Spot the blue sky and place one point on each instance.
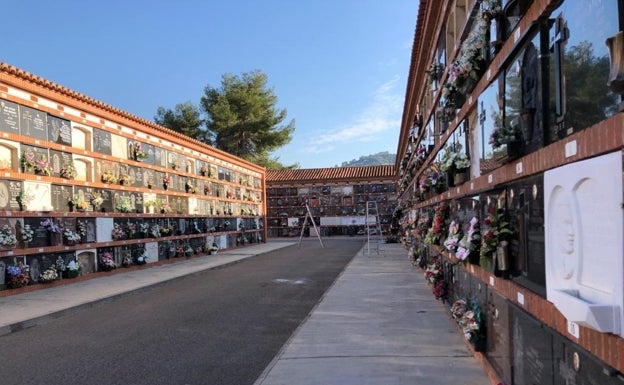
(339, 67)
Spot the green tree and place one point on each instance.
(243, 119)
(588, 97)
(185, 119)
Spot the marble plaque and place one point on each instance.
(33, 123)
(104, 229)
(60, 195)
(58, 159)
(532, 350)
(2, 272)
(9, 190)
(59, 130)
(9, 117)
(584, 226)
(41, 194)
(151, 249)
(102, 141)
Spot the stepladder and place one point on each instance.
(373, 227)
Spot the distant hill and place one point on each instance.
(377, 159)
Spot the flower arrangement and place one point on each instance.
(433, 272)
(131, 229)
(71, 237)
(7, 238)
(107, 261)
(124, 205)
(490, 8)
(78, 202)
(454, 159)
(437, 227)
(204, 171)
(454, 236)
(166, 181)
(166, 231)
(213, 248)
(42, 166)
(435, 278)
(498, 229)
(468, 315)
(126, 258)
(118, 233)
(470, 242)
(164, 206)
(188, 251)
(174, 164)
(155, 231)
(469, 63)
(81, 229)
(190, 188)
(27, 233)
(207, 189)
(142, 258)
(138, 152)
(423, 224)
(50, 226)
(96, 199)
(144, 228)
(435, 72)
(28, 160)
(68, 171)
(49, 275)
(17, 275)
(108, 177)
(72, 269)
(502, 134)
(125, 179)
(23, 198)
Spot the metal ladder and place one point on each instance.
(373, 227)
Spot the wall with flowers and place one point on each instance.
(87, 188)
(489, 110)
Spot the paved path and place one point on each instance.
(378, 324)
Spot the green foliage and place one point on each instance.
(588, 96)
(185, 119)
(379, 158)
(242, 116)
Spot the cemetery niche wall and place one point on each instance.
(86, 187)
(530, 236)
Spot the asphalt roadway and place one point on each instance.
(269, 320)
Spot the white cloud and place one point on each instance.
(381, 116)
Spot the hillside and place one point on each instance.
(377, 159)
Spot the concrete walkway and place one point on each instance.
(378, 324)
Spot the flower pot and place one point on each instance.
(450, 178)
(460, 177)
(514, 149)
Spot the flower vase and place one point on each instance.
(460, 177)
(502, 256)
(486, 263)
(478, 344)
(165, 186)
(54, 239)
(450, 177)
(514, 149)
